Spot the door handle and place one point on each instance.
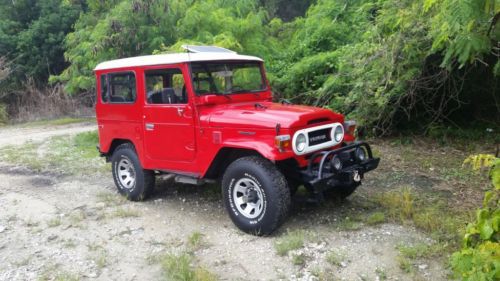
(150, 126)
(180, 111)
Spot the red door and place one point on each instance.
(168, 117)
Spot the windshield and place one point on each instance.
(227, 77)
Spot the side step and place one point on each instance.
(189, 180)
(185, 179)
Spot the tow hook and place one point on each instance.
(356, 177)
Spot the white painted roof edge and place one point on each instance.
(171, 59)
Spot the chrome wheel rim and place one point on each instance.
(247, 196)
(126, 173)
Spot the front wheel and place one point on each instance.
(256, 195)
(130, 178)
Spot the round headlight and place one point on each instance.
(336, 163)
(360, 154)
(338, 133)
(300, 142)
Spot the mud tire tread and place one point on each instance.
(278, 184)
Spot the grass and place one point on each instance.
(25, 155)
(180, 267)
(375, 218)
(74, 155)
(428, 212)
(54, 122)
(31, 223)
(121, 212)
(100, 259)
(53, 273)
(69, 243)
(398, 203)
(334, 258)
(424, 184)
(110, 199)
(322, 274)
(349, 224)
(94, 246)
(417, 251)
(195, 240)
(54, 222)
(77, 217)
(299, 259)
(405, 264)
(381, 273)
(183, 266)
(292, 240)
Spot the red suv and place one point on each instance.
(207, 115)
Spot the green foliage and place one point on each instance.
(478, 161)
(376, 218)
(292, 240)
(385, 61)
(4, 118)
(115, 30)
(462, 29)
(141, 27)
(381, 62)
(179, 267)
(479, 258)
(31, 35)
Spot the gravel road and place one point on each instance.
(17, 135)
(53, 226)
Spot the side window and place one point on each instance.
(120, 88)
(104, 88)
(165, 86)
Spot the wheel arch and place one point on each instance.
(226, 156)
(114, 144)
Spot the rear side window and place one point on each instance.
(118, 87)
(104, 87)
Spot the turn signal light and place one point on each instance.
(350, 127)
(282, 142)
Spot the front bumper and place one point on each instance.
(320, 175)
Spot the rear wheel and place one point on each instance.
(256, 195)
(130, 178)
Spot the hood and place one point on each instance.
(265, 115)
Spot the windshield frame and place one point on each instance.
(259, 64)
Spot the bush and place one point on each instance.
(3, 114)
(479, 258)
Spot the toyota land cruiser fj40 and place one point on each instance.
(207, 115)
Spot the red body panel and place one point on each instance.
(186, 137)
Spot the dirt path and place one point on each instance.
(63, 227)
(16, 135)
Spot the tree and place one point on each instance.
(31, 36)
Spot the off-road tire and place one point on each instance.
(275, 194)
(342, 191)
(144, 179)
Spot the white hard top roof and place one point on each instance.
(173, 58)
